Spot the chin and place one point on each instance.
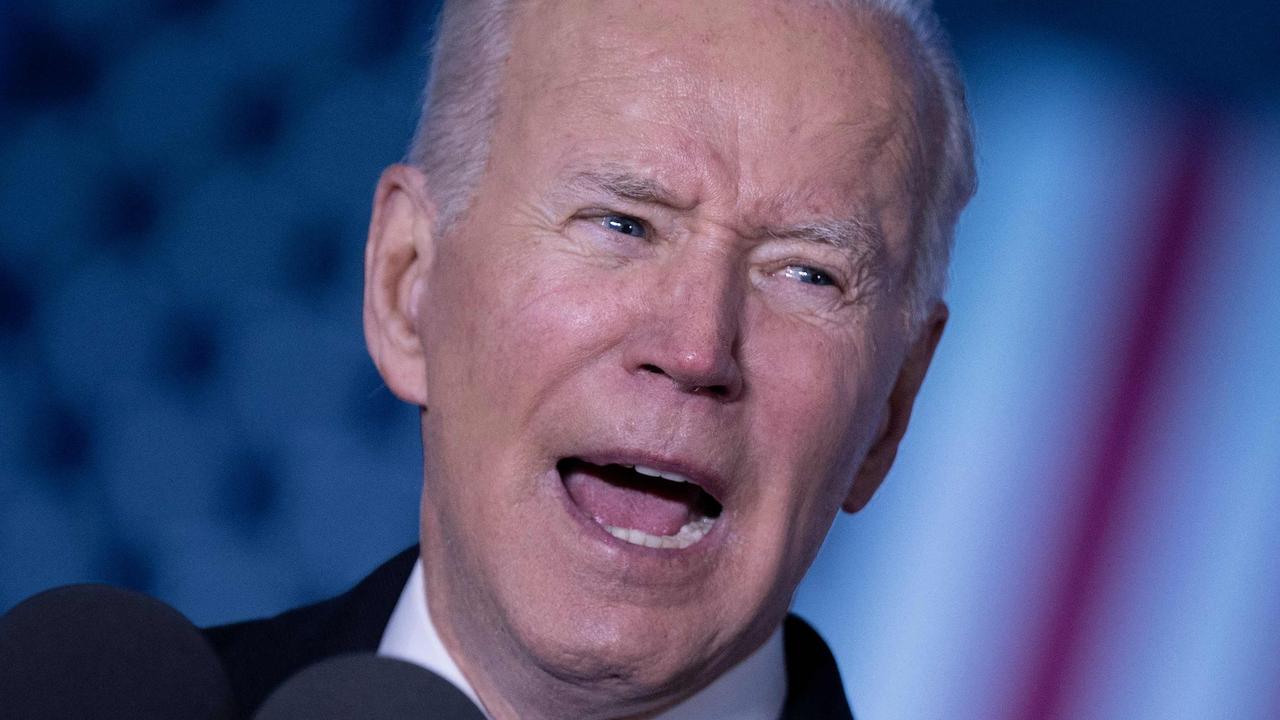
(638, 654)
(628, 663)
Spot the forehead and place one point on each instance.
(781, 107)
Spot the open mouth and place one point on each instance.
(641, 505)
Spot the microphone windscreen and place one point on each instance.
(94, 651)
(368, 687)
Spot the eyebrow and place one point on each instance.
(628, 186)
(856, 235)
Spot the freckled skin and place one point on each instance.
(540, 327)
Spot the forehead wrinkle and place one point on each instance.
(724, 161)
(622, 81)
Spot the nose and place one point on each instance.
(691, 330)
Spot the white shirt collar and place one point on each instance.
(754, 689)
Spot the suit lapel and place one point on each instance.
(814, 688)
(259, 655)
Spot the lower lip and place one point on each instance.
(596, 532)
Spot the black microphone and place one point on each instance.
(94, 651)
(368, 687)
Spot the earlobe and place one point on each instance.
(398, 258)
(897, 413)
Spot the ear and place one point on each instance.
(396, 263)
(893, 422)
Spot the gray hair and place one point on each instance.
(460, 105)
(473, 39)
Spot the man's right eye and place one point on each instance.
(623, 224)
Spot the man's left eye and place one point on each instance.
(808, 275)
(623, 224)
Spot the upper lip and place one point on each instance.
(698, 472)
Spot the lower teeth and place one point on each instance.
(692, 532)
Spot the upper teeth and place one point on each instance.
(673, 477)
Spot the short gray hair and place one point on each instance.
(471, 43)
(460, 105)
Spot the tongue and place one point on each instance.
(616, 496)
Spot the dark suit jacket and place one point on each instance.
(261, 654)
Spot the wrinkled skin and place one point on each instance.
(632, 278)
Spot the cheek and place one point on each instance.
(558, 320)
(809, 379)
(818, 393)
(555, 313)
(524, 326)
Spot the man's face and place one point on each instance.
(686, 255)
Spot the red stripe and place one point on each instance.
(1107, 481)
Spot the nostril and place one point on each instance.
(715, 391)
